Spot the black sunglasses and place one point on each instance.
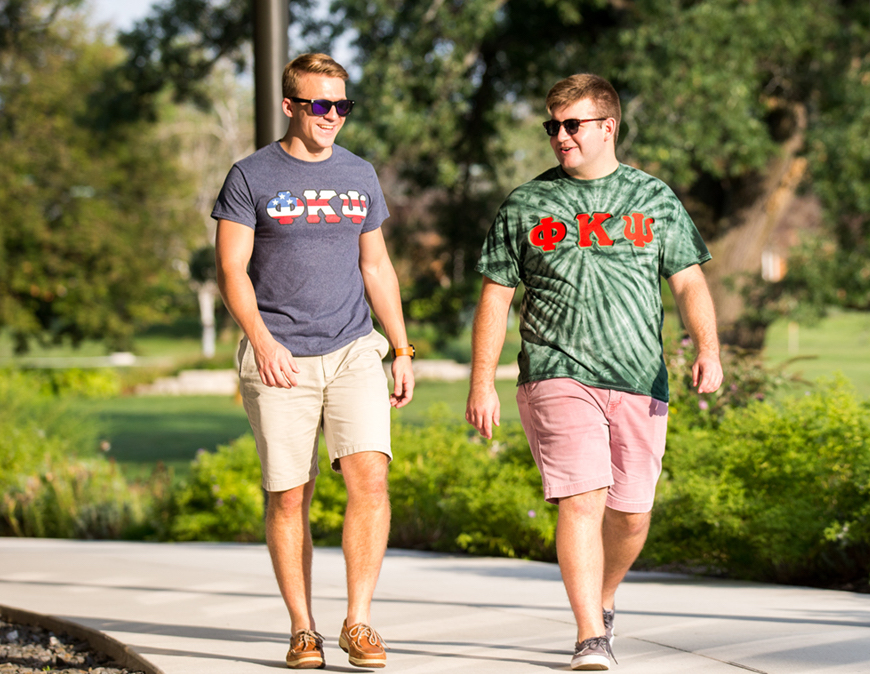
(572, 126)
(321, 106)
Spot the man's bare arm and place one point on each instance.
(483, 409)
(699, 316)
(234, 244)
(382, 291)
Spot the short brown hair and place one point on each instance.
(586, 85)
(316, 64)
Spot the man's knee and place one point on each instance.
(366, 474)
(627, 524)
(587, 504)
(291, 500)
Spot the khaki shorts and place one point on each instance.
(585, 438)
(344, 392)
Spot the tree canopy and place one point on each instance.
(744, 107)
(94, 219)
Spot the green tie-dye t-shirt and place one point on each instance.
(591, 254)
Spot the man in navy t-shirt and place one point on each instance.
(305, 214)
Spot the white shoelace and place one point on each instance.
(361, 631)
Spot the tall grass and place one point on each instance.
(53, 480)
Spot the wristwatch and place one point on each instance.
(405, 351)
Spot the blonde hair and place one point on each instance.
(587, 86)
(315, 64)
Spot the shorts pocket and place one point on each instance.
(244, 355)
(382, 346)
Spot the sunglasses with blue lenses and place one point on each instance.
(320, 106)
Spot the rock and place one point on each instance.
(33, 649)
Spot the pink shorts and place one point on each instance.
(586, 438)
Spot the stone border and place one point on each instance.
(120, 653)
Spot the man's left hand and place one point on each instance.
(403, 378)
(707, 373)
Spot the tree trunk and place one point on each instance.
(739, 250)
(206, 295)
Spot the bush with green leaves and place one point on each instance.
(328, 505)
(453, 492)
(221, 499)
(450, 491)
(747, 381)
(52, 480)
(86, 498)
(753, 487)
(778, 492)
(75, 382)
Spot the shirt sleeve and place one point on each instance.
(499, 258)
(377, 208)
(682, 244)
(235, 201)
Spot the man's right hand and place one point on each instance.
(483, 409)
(276, 365)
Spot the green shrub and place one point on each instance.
(752, 488)
(52, 481)
(746, 381)
(453, 491)
(75, 382)
(86, 499)
(32, 414)
(779, 492)
(221, 500)
(329, 503)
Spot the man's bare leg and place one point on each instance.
(581, 558)
(366, 529)
(624, 535)
(288, 537)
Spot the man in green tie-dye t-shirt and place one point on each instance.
(590, 240)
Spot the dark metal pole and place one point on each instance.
(271, 47)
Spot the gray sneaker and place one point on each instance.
(608, 623)
(592, 655)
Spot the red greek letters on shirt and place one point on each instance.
(638, 229)
(592, 225)
(546, 235)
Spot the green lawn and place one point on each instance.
(145, 430)
(839, 343)
(447, 399)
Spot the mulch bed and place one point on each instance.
(25, 649)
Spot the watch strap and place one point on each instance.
(405, 351)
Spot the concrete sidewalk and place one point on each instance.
(215, 608)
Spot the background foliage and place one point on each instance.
(750, 109)
(93, 215)
(757, 112)
(449, 492)
(220, 500)
(777, 492)
(52, 481)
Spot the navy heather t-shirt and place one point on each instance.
(307, 218)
